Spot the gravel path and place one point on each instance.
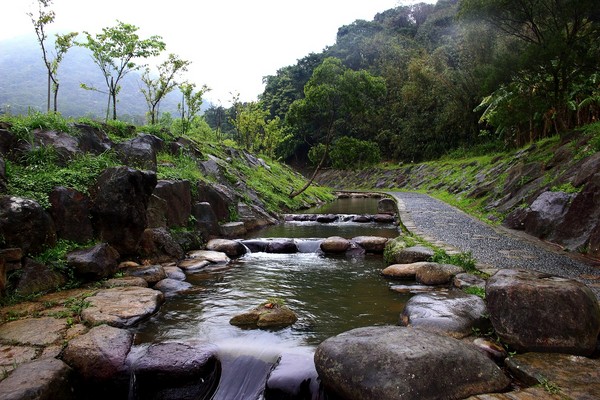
(493, 247)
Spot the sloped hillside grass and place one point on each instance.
(38, 171)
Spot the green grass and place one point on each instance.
(23, 126)
(39, 173)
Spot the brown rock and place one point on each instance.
(37, 277)
(178, 196)
(125, 281)
(150, 273)
(13, 355)
(70, 211)
(402, 271)
(335, 244)
(98, 262)
(386, 206)
(99, 355)
(372, 244)
(266, 316)
(437, 274)
(531, 311)
(230, 247)
(44, 379)
(158, 245)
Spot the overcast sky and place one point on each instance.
(232, 43)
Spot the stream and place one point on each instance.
(329, 294)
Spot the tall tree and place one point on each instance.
(157, 88)
(556, 41)
(334, 98)
(115, 51)
(191, 103)
(62, 44)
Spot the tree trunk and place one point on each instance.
(56, 96)
(48, 105)
(314, 175)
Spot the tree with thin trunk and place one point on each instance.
(191, 103)
(115, 51)
(157, 88)
(62, 44)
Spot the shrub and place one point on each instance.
(315, 154)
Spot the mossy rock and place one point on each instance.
(267, 315)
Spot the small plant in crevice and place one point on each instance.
(548, 385)
(477, 291)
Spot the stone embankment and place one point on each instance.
(549, 190)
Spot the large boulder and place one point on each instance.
(452, 313)
(282, 246)
(544, 214)
(386, 206)
(159, 245)
(65, 145)
(70, 211)
(140, 151)
(531, 311)
(437, 274)
(253, 216)
(152, 274)
(44, 379)
(25, 224)
(97, 262)
(390, 362)
(409, 255)
(121, 307)
(99, 357)
(220, 197)
(205, 219)
(119, 199)
(36, 277)
(179, 201)
(173, 370)
(92, 140)
(233, 229)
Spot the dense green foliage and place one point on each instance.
(458, 74)
(347, 153)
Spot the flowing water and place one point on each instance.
(329, 294)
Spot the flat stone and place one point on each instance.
(193, 265)
(215, 257)
(230, 247)
(335, 244)
(413, 254)
(150, 273)
(122, 307)
(403, 271)
(532, 393)
(125, 281)
(466, 280)
(34, 331)
(172, 286)
(44, 379)
(453, 313)
(384, 218)
(11, 355)
(577, 377)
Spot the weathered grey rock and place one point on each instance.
(92, 140)
(94, 263)
(220, 197)
(544, 214)
(140, 151)
(205, 218)
(2, 175)
(372, 244)
(122, 307)
(25, 224)
(36, 277)
(33, 331)
(282, 246)
(327, 218)
(156, 212)
(70, 211)
(531, 311)
(493, 349)
(465, 280)
(254, 217)
(266, 316)
(178, 196)
(150, 273)
(119, 199)
(255, 245)
(158, 245)
(416, 289)
(99, 355)
(233, 229)
(386, 206)
(413, 254)
(65, 145)
(45, 379)
(576, 377)
(404, 363)
(230, 247)
(335, 244)
(215, 257)
(452, 313)
(362, 218)
(172, 286)
(174, 272)
(189, 240)
(437, 274)
(12, 355)
(294, 377)
(172, 370)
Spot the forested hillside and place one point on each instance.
(23, 84)
(421, 80)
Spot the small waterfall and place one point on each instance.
(244, 370)
(308, 245)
